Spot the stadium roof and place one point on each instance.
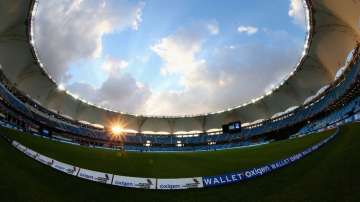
(334, 28)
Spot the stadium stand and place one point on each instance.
(22, 111)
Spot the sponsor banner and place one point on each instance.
(14, 143)
(66, 168)
(134, 182)
(237, 177)
(180, 183)
(31, 153)
(45, 160)
(105, 178)
(25, 150)
(21, 147)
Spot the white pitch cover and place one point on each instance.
(180, 183)
(134, 182)
(105, 178)
(66, 168)
(45, 160)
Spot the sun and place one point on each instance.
(117, 130)
(116, 127)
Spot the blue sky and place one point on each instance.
(174, 57)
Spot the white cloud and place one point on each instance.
(178, 55)
(213, 28)
(67, 31)
(229, 77)
(179, 51)
(297, 12)
(138, 18)
(250, 30)
(113, 66)
(120, 92)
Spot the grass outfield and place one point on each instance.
(165, 165)
(329, 174)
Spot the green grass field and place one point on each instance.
(329, 174)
